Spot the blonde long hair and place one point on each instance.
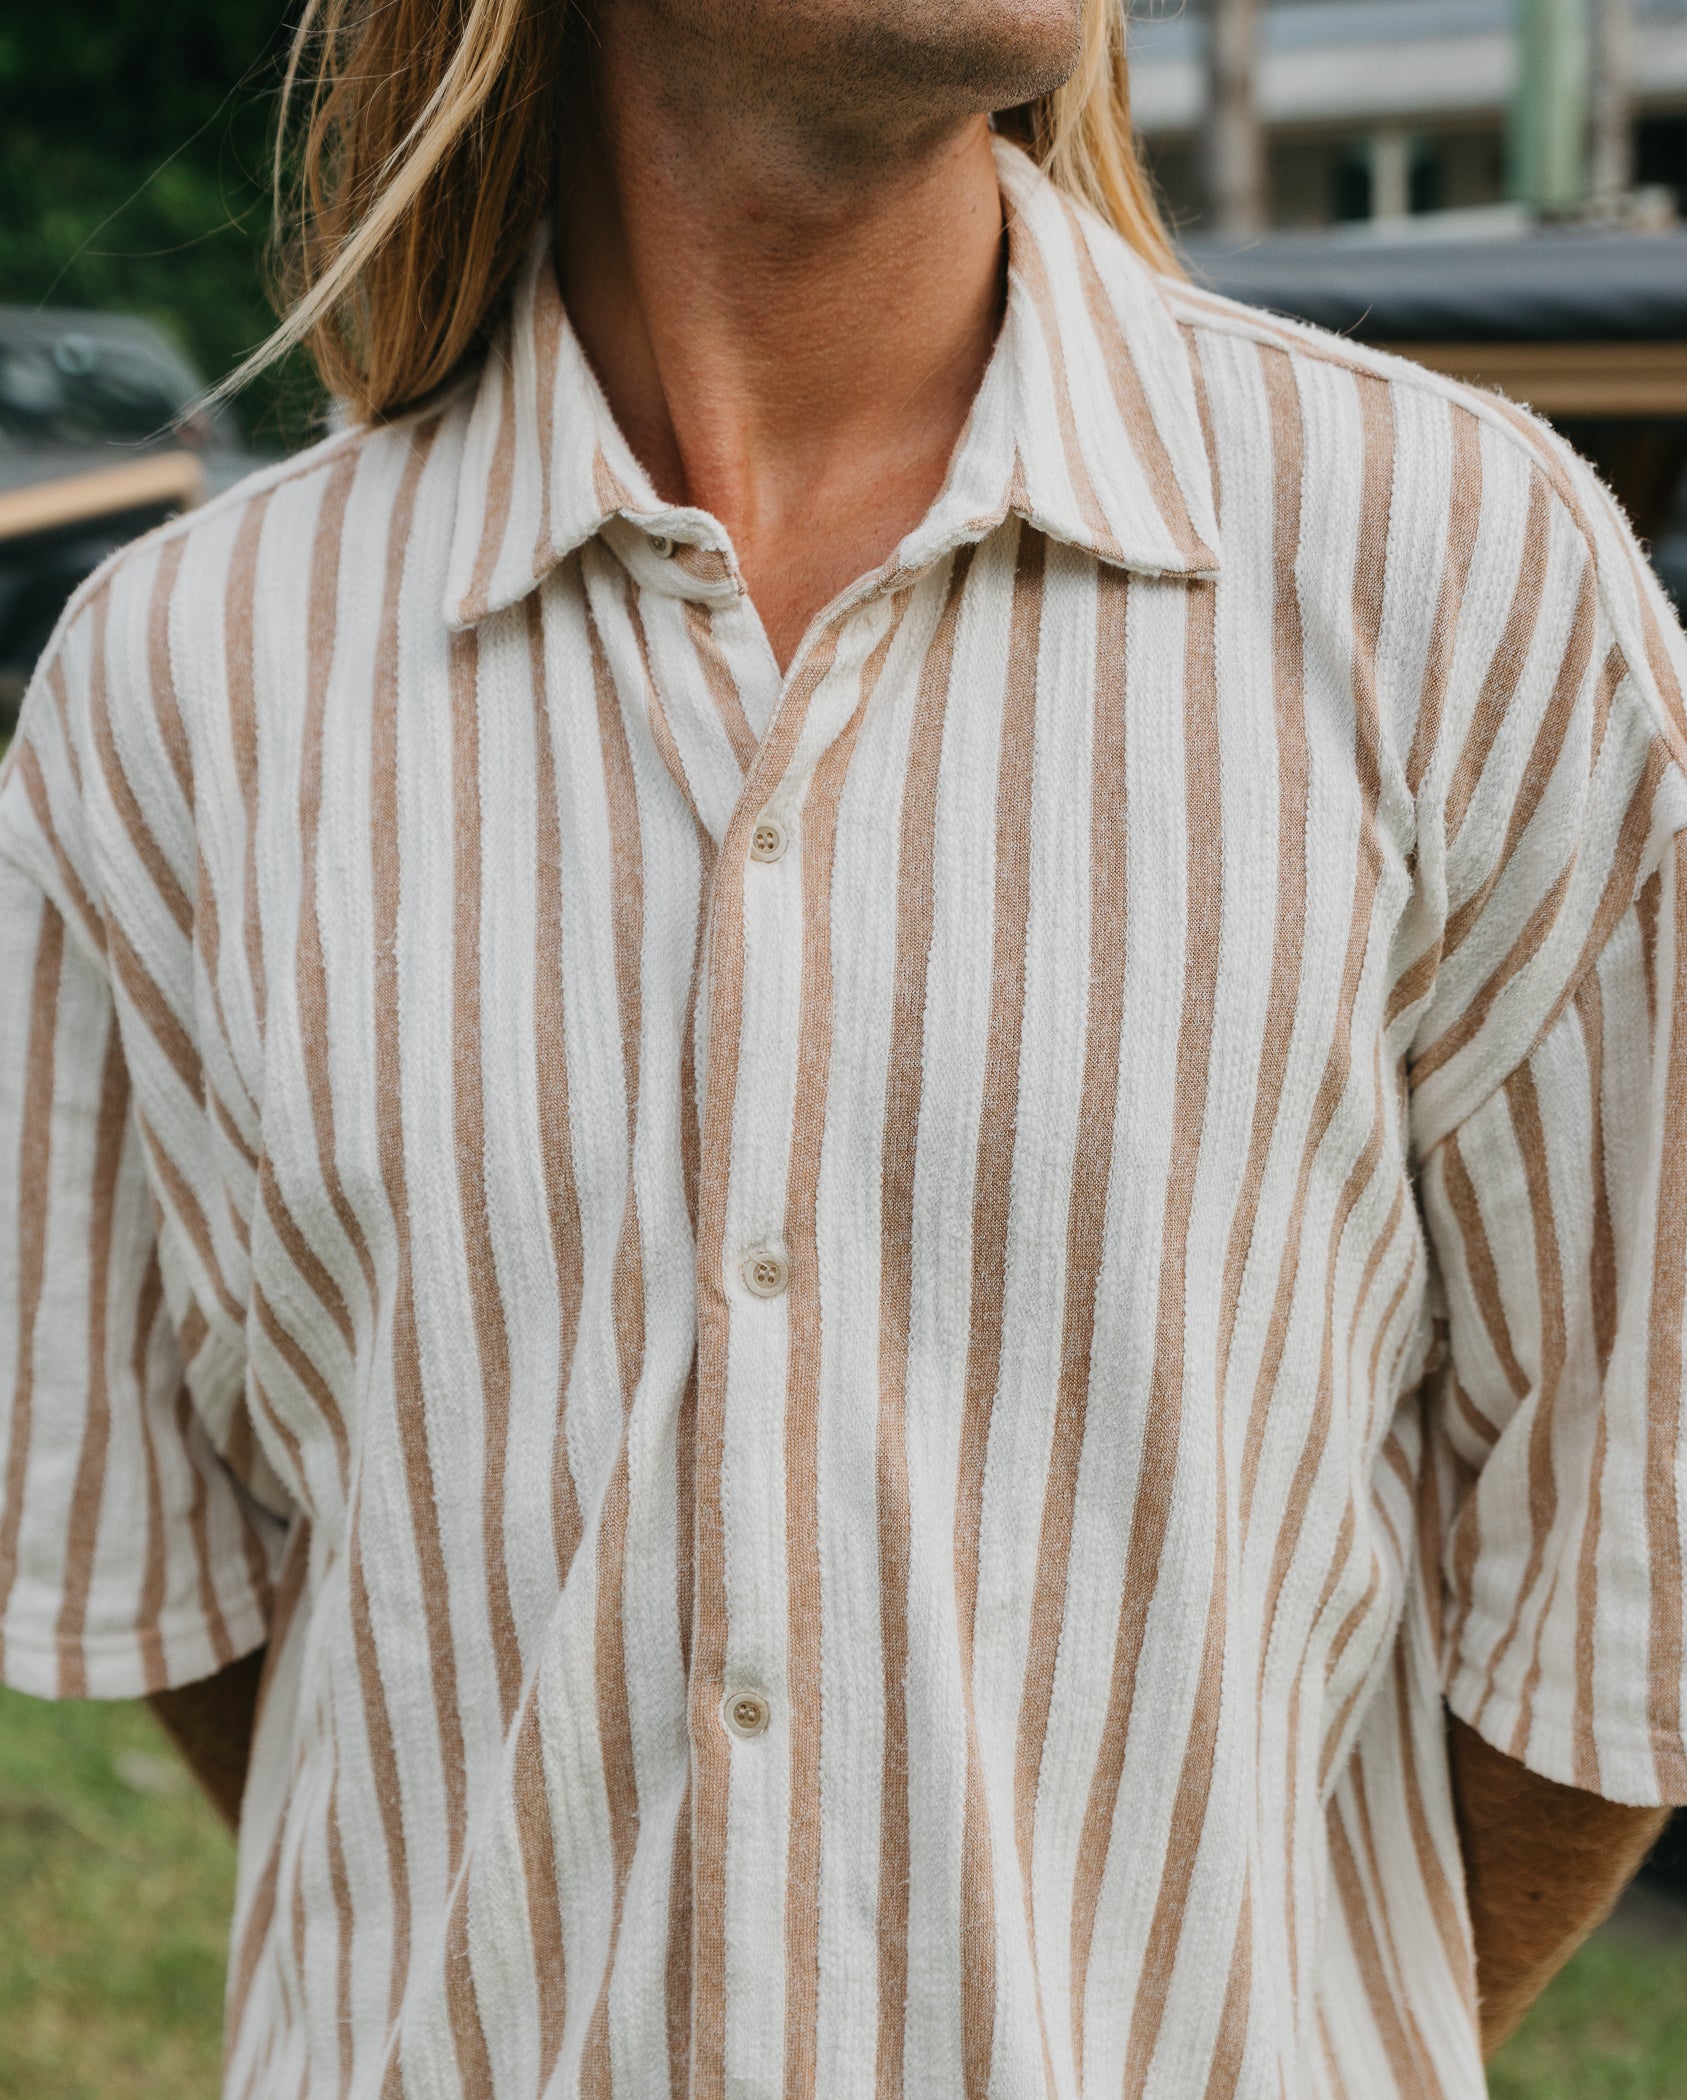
(418, 149)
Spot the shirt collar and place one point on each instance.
(1086, 424)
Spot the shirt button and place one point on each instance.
(764, 1272)
(768, 840)
(661, 545)
(746, 1713)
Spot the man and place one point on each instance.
(860, 1078)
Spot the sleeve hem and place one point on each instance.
(1636, 1767)
(131, 1665)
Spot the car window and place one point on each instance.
(78, 389)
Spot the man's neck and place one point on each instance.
(789, 324)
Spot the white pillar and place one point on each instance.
(1391, 174)
(1611, 137)
(1233, 152)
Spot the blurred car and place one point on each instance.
(99, 439)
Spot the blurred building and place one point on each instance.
(1383, 108)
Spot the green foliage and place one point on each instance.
(1612, 2027)
(134, 169)
(117, 1880)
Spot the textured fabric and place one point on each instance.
(1211, 1059)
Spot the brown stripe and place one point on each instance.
(1224, 2075)
(462, 2002)
(180, 1199)
(311, 970)
(1379, 1992)
(1141, 426)
(345, 1928)
(1190, 1813)
(1320, 1428)
(1662, 667)
(1368, 587)
(240, 625)
(1427, 2085)
(207, 926)
(149, 1604)
(1028, 266)
(161, 677)
(717, 676)
(1615, 899)
(1646, 905)
(903, 1080)
(709, 1748)
(319, 1390)
(486, 1301)
(1663, 1383)
(1414, 983)
(1444, 1905)
(1464, 518)
(123, 798)
(992, 1183)
(535, 1840)
(1486, 1433)
(254, 1937)
(802, 1404)
(1543, 760)
(88, 1496)
(198, 1526)
(35, 786)
(1163, 1425)
(1524, 1104)
(550, 1057)
(34, 1186)
(677, 1964)
(167, 1031)
(548, 324)
(1292, 767)
(224, 1120)
(1603, 1285)
(409, 1394)
(298, 1249)
(1612, 672)
(59, 687)
(1479, 1263)
(1086, 1216)
(1504, 675)
(383, 1764)
(628, 1314)
(500, 480)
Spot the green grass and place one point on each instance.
(1613, 2026)
(116, 1879)
(115, 1885)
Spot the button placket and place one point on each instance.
(750, 1670)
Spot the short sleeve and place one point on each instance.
(1549, 1113)
(132, 1557)
(1558, 1215)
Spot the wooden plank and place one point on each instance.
(1568, 379)
(162, 479)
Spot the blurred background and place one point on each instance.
(1495, 187)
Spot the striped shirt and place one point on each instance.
(871, 1343)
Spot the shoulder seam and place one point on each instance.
(1364, 360)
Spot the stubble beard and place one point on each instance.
(860, 75)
